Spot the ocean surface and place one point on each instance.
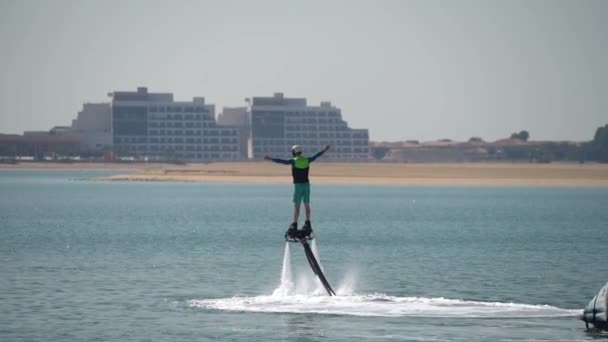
(96, 261)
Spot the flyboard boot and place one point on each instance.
(291, 232)
(299, 235)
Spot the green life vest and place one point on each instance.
(301, 162)
(299, 169)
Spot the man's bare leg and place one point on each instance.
(307, 225)
(296, 212)
(307, 208)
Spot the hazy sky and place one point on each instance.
(404, 69)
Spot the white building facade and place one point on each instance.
(240, 118)
(93, 127)
(155, 127)
(277, 123)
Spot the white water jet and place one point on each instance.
(286, 286)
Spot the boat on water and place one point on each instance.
(596, 311)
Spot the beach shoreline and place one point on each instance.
(481, 174)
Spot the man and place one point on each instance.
(301, 191)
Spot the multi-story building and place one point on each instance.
(93, 127)
(154, 126)
(278, 122)
(237, 117)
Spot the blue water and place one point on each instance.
(96, 261)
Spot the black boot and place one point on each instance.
(307, 228)
(291, 232)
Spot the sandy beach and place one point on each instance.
(494, 174)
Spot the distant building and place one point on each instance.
(93, 127)
(89, 133)
(38, 145)
(277, 123)
(58, 130)
(240, 118)
(154, 126)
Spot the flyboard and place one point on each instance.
(303, 236)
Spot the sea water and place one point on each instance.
(83, 260)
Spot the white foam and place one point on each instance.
(307, 295)
(347, 286)
(381, 305)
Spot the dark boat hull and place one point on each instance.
(596, 311)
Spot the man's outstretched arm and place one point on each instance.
(320, 153)
(279, 161)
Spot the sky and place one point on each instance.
(406, 70)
